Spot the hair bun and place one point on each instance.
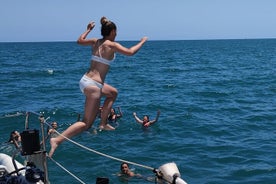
(104, 20)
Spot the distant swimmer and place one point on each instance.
(146, 122)
(92, 84)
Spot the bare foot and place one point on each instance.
(106, 127)
(54, 146)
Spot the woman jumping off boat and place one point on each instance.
(92, 83)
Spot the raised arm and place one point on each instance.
(82, 39)
(120, 113)
(137, 119)
(156, 119)
(128, 51)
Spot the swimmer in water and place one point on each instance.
(146, 122)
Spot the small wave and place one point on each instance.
(50, 71)
(12, 115)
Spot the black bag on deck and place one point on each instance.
(30, 142)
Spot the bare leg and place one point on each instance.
(92, 103)
(111, 95)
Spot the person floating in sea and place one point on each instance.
(125, 171)
(52, 132)
(146, 122)
(92, 84)
(113, 116)
(15, 139)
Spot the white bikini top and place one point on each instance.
(100, 59)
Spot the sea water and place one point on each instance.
(217, 100)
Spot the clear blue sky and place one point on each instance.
(65, 20)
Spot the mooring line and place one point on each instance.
(105, 155)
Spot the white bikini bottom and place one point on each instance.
(86, 81)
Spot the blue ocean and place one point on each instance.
(217, 100)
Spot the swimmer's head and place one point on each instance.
(146, 118)
(54, 124)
